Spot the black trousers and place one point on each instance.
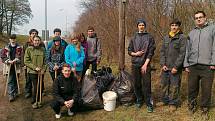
(200, 75)
(88, 63)
(34, 79)
(142, 85)
(56, 106)
(53, 74)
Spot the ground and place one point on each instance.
(21, 110)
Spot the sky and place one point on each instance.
(59, 14)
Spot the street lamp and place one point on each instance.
(46, 31)
(66, 29)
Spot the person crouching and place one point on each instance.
(65, 92)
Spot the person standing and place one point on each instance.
(94, 50)
(34, 59)
(74, 56)
(141, 49)
(65, 92)
(11, 57)
(200, 62)
(172, 55)
(57, 32)
(28, 83)
(55, 58)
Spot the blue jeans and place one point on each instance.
(12, 83)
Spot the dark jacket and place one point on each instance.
(141, 41)
(65, 89)
(55, 57)
(201, 46)
(173, 51)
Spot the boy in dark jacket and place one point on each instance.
(141, 49)
(65, 92)
(171, 59)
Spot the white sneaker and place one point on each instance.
(57, 116)
(70, 113)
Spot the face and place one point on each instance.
(82, 39)
(200, 19)
(12, 41)
(33, 34)
(141, 27)
(174, 28)
(75, 41)
(90, 33)
(66, 72)
(57, 34)
(36, 41)
(57, 43)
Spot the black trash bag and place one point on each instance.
(124, 87)
(90, 95)
(104, 79)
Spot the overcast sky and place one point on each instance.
(57, 10)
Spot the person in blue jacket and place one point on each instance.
(74, 56)
(57, 32)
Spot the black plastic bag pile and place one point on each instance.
(94, 85)
(124, 87)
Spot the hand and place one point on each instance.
(56, 67)
(73, 70)
(187, 70)
(174, 71)
(139, 53)
(144, 69)
(10, 62)
(74, 64)
(212, 67)
(38, 69)
(164, 68)
(97, 62)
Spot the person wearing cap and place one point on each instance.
(11, 57)
(65, 92)
(172, 55)
(93, 51)
(200, 62)
(57, 32)
(141, 49)
(55, 57)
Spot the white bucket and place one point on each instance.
(109, 98)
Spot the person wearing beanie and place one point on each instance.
(172, 55)
(141, 49)
(55, 57)
(11, 57)
(199, 62)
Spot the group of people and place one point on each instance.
(195, 54)
(68, 63)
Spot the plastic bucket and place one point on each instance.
(109, 98)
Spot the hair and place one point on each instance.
(66, 65)
(54, 49)
(176, 21)
(37, 37)
(80, 36)
(57, 30)
(78, 46)
(90, 28)
(33, 30)
(197, 12)
(13, 36)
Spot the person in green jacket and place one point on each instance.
(34, 59)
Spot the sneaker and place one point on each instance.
(39, 105)
(138, 105)
(204, 111)
(192, 108)
(70, 113)
(11, 98)
(57, 116)
(149, 109)
(35, 106)
(27, 95)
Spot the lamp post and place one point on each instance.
(66, 28)
(46, 31)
